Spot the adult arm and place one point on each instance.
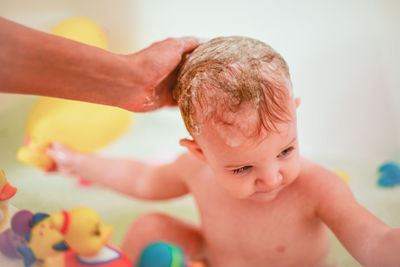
(34, 62)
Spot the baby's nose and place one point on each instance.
(269, 182)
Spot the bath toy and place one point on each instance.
(82, 30)
(34, 154)
(14, 237)
(6, 192)
(32, 239)
(43, 241)
(74, 238)
(389, 174)
(343, 175)
(88, 238)
(84, 127)
(162, 254)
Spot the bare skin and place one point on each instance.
(245, 233)
(34, 62)
(260, 203)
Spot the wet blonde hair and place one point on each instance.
(226, 72)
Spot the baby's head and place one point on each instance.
(236, 100)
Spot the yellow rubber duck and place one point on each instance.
(84, 127)
(87, 237)
(7, 191)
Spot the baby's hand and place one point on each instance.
(65, 159)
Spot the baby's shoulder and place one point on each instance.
(189, 165)
(311, 171)
(315, 179)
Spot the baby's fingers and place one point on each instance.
(62, 156)
(58, 152)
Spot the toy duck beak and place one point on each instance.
(7, 192)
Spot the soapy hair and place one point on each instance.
(226, 72)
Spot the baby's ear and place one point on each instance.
(297, 101)
(194, 148)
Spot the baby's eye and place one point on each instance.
(241, 169)
(285, 152)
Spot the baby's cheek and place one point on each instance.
(235, 186)
(243, 187)
(291, 171)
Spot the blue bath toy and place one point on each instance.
(162, 254)
(390, 175)
(14, 237)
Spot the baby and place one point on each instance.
(261, 203)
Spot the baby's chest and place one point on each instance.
(251, 227)
(259, 233)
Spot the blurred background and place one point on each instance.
(343, 57)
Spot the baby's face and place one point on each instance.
(252, 167)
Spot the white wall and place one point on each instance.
(343, 55)
(389, 37)
(116, 17)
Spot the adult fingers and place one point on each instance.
(189, 43)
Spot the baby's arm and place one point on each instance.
(368, 239)
(131, 177)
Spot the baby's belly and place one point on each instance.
(307, 248)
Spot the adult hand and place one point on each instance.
(34, 62)
(156, 68)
